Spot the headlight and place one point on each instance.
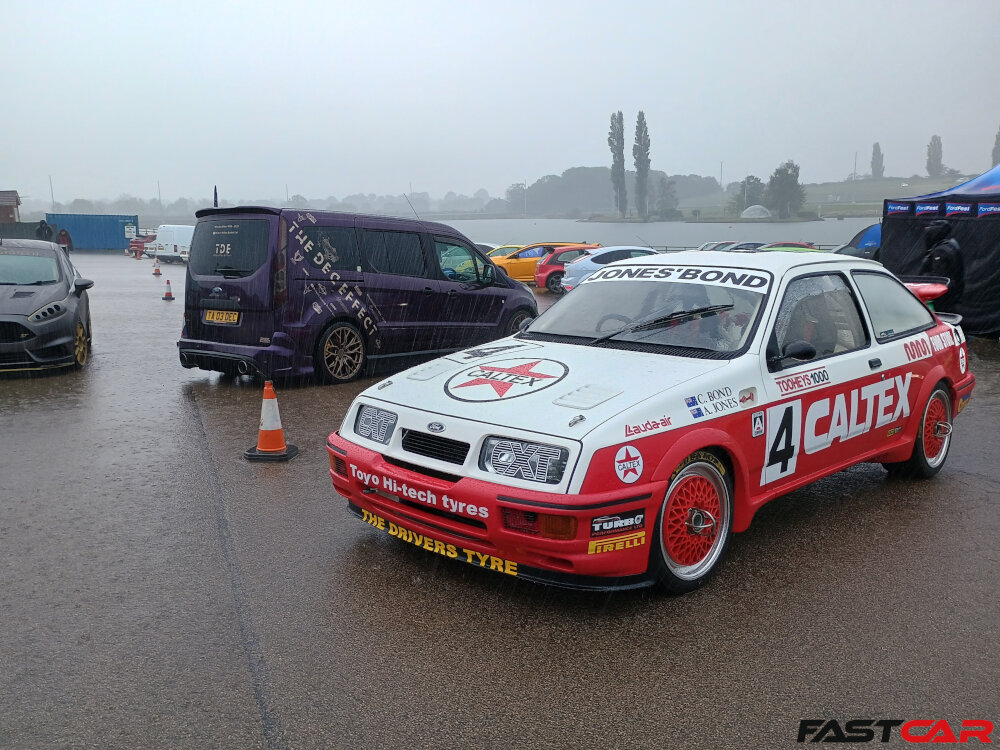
(375, 424)
(50, 311)
(535, 462)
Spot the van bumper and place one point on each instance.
(276, 360)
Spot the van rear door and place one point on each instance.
(229, 294)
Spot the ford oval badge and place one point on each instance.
(435, 427)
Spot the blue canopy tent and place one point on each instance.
(869, 237)
(973, 209)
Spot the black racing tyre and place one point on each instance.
(930, 449)
(340, 354)
(517, 317)
(554, 283)
(694, 524)
(81, 346)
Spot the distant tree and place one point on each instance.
(517, 195)
(784, 194)
(996, 149)
(640, 155)
(749, 192)
(81, 206)
(878, 166)
(616, 141)
(935, 167)
(666, 200)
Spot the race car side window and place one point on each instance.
(893, 310)
(821, 311)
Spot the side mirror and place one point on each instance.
(81, 285)
(800, 350)
(488, 276)
(525, 325)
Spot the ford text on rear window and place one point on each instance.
(229, 247)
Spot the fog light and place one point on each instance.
(544, 525)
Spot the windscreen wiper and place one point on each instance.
(663, 321)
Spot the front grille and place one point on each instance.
(434, 446)
(14, 333)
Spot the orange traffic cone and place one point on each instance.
(169, 296)
(156, 267)
(270, 437)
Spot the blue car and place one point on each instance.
(576, 271)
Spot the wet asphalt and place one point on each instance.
(159, 591)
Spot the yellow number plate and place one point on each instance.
(222, 316)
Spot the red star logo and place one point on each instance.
(632, 469)
(502, 387)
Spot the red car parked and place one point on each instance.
(137, 245)
(549, 271)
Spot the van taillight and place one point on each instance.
(279, 268)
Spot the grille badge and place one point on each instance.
(435, 427)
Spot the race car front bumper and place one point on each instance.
(604, 538)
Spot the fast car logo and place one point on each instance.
(505, 379)
(628, 464)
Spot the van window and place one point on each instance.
(458, 263)
(229, 247)
(398, 253)
(336, 246)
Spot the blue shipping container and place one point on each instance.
(96, 231)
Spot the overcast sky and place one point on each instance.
(370, 96)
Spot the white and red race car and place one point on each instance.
(622, 437)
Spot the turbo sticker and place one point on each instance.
(505, 379)
(438, 547)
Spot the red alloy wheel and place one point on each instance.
(933, 442)
(690, 523)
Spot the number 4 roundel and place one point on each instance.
(784, 433)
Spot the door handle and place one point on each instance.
(452, 293)
(875, 363)
(428, 290)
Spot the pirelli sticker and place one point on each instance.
(617, 543)
(430, 544)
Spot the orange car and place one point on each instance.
(520, 264)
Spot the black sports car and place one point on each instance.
(44, 309)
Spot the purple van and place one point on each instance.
(287, 292)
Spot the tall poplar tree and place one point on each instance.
(996, 150)
(640, 154)
(935, 165)
(616, 140)
(878, 166)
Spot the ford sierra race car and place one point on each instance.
(621, 437)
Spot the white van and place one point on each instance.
(172, 243)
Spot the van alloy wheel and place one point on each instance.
(341, 354)
(517, 319)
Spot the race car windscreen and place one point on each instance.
(692, 308)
